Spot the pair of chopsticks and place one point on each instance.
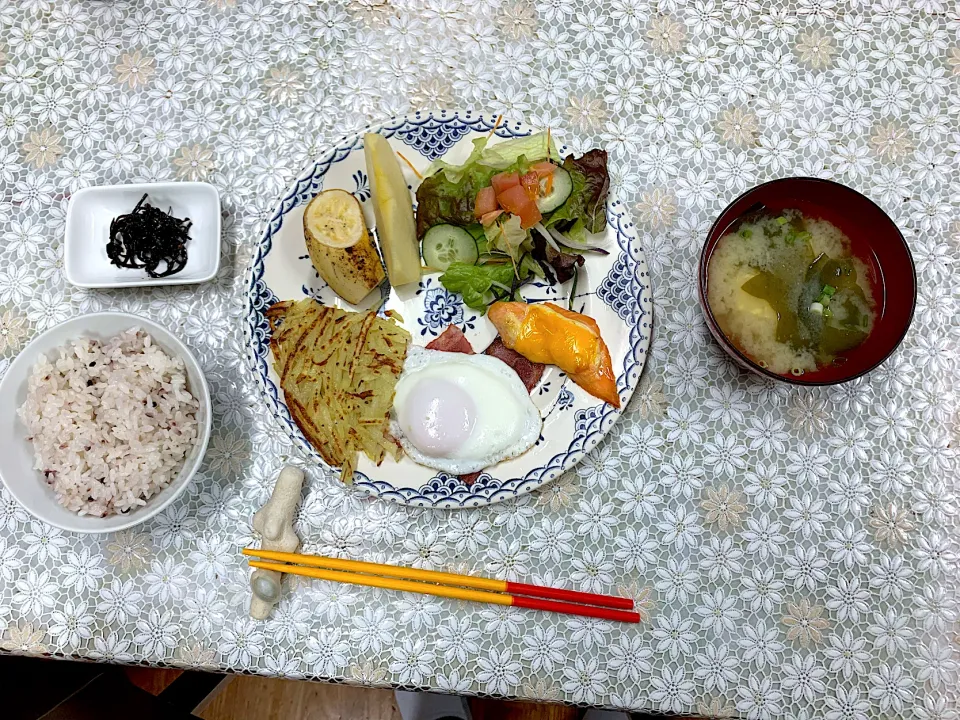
(448, 585)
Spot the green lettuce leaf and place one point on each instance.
(448, 192)
(588, 200)
(500, 155)
(474, 282)
(532, 147)
(455, 172)
(577, 232)
(441, 200)
(508, 237)
(529, 266)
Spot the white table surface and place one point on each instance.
(832, 588)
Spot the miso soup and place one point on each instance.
(787, 291)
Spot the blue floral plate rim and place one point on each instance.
(624, 291)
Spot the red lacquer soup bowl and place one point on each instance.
(874, 238)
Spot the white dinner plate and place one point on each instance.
(613, 289)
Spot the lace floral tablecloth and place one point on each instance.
(794, 552)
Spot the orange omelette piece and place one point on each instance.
(548, 334)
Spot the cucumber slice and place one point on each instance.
(444, 245)
(562, 187)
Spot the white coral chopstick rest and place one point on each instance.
(274, 522)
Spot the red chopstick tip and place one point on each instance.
(567, 608)
(574, 596)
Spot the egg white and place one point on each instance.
(507, 421)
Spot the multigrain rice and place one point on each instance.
(111, 422)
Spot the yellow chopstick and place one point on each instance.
(456, 593)
(395, 571)
(516, 589)
(446, 591)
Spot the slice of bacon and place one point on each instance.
(451, 340)
(529, 372)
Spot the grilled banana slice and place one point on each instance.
(339, 245)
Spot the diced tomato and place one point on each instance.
(486, 202)
(543, 168)
(531, 183)
(488, 218)
(517, 201)
(502, 181)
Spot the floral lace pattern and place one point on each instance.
(794, 552)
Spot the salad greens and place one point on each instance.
(509, 255)
(441, 200)
(448, 192)
(499, 157)
(509, 238)
(587, 203)
(483, 284)
(476, 282)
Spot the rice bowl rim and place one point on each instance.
(13, 392)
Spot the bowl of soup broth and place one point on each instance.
(807, 281)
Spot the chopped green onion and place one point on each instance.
(828, 292)
(827, 313)
(782, 220)
(816, 308)
(746, 233)
(804, 236)
(573, 288)
(791, 238)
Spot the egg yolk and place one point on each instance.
(545, 336)
(438, 416)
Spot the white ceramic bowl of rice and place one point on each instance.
(120, 421)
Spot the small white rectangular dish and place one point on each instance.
(92, 210)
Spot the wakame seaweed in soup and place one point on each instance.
(787, 291)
